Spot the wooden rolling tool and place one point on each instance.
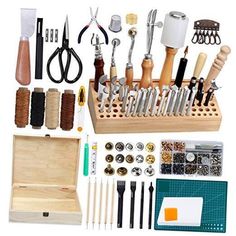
(98, 62)
(129, 74)
(147, 64)
(175, 24)
(216, 66)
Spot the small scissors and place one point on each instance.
(70, 51)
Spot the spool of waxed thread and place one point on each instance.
(67, 110)
(22, 107)
(52, 108)
(37, 108)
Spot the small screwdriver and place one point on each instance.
(86, 158)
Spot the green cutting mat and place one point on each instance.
(214, 194)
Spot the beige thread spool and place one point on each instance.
(52, 108)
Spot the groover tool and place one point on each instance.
(175, 24)
(23, 72)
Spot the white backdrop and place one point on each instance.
(54, 13)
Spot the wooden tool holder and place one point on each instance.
(202, 118)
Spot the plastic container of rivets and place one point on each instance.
(191, 158)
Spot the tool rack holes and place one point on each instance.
(212, 104)
(210, 114)
(204, 114)
(200, 109)
(216, 114)
(194, 109)
(120, 115)
(115, 110)
(107, 105)
(193, 114)
(213, 109)
(114, 115)
(102, 116)
(108, 116)
(120, 105)
(207, 109)
(114, 105)
(198, 114)
(99, 105)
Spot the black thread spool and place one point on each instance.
(37, 108)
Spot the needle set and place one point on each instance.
(120, 175)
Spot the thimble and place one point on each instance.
(115, 25)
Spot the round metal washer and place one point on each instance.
(129, 146)
(121, 171)
(120, 158)
(190, 157)
(109, 158)
(109, 146)
(136, 171)
(129, 159)
(149, 171)
(139, 158)
(150, 147)
(150, 159)
(119, 147)
(139, 146)
(109, 170)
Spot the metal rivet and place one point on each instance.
(150, 147)
(139, 158)
(109, 170)
(136, 171)
(119, 146)
(139, 146)
(121, 171)
(129, 147)
(109, 158)
(120, 158)
(109, 146)
(129, 159)
(149, 171)
(150, 159)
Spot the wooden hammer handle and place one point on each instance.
(217, 66)
(146, 80)
(199, 64)
(23, 72)
(166, 73)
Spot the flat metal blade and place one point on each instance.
(28, 19)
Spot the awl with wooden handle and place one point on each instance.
(23, 72)
(199, 64)
(216, 66)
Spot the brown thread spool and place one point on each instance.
(52, 108)
(22, 107)
(67, 110)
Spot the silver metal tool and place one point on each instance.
(190, 104)
(184, 101)
(51, 35)
(167, 103)
(121, 88)
(155, 97)
(165, 89)
(115, 43)
(147, 102)
(46, 35)
(175, 90)
(178, 101)
(56, 35)
(131, 101)
(137, 101)
(142, 102)
(101, 87)
(111, 100)
(112, 86)
(103, 99)
(125, 99)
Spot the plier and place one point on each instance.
(93, 18)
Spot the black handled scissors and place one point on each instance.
(70, 52)
(93, 18)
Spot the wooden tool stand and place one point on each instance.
(202, 118)
(44, 180)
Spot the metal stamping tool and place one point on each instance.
(190, 104)
(155, 97)
(167, 103)
(137, 101)
(125, 100)
(147, 102)
(112, 98)
(101, 86)
(112, 86)
(121, 88)
(103, 100)
(141, 105)
(131, 101)
(163, 97)
(184, 101)
(173, 100)
(178, 101)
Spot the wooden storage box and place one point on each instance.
(44, 180)
(202, 118)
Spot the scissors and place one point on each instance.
(70, 52)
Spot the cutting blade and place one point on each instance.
(28, 19)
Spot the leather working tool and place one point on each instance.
(70, 52)
(93, 18)
(115, 43)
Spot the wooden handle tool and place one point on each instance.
(23, 73)
(146, 80)
(99, 64)
(216, 66)
(166, 73)
(129, 74)
(199, 64)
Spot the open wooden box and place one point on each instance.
(44, 180)
(201, 119)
